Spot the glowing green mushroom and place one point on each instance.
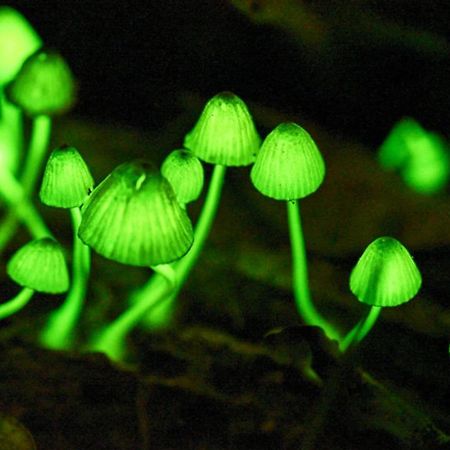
(43, 87)
(184, 171)
(133, 217)
(66, 184)
(288, 167)
(224, 135)
(384, 276)
(18, 40)
(37, 266)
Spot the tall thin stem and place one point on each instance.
(40, 138)
(59, 333)
(302, 295)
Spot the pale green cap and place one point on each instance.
(133, 217)
(289, 165)
(43, 86)
(67, 181)
(385, 275)
(40, 265)
(225, 133)
(184, 171)
(18, 41)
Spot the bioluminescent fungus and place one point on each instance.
(18, 41)
(421, 157)
(384, 276)
(43, 87)
(133, 217)
(184, 171)
(66, 183)
(224, 135)
(288, 167)
(37, 266)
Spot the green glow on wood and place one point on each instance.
(14, 305)
(18, 40)
(43, 86)
(40, 265)
(421, 157)
(289, 165)
(305, 306)
(385, 275)
(225, 133)
(59, 332)
(67, 181)
(184, 171)
(134, 217)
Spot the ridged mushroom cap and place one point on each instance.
(67, 180)
(133, 217)
(40, 265)
(43, 86)
(385, 274)
(289, 165)
(184, 171)
(225, 133)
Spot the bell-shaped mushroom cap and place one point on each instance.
(185, 173)
(225, 133)
(67, 181)
(385, 275)
(40, 265)
(289, 165)
(18, 40)
(43, 86)
(133, 217)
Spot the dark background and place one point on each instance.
(134, 59)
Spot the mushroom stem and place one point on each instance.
(12, 193)
(40, 137)
(305, 306)
(59, 330)
(16, 304)
(159, 316)
(361, 329)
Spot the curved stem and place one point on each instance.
(40, 137)
(166, 271)
(16, 304)
(59, 330)
(361, 329)
(12, 193)
(157, 290)
(183, 266)
(302, 296)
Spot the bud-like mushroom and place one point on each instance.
(37, 266)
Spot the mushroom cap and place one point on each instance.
(67, 181)
(289, 165)
(18, 40)
(40, 265)
(385, 275)
(225, 133)
(184, 171)
(133, 217)
(43, 86)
